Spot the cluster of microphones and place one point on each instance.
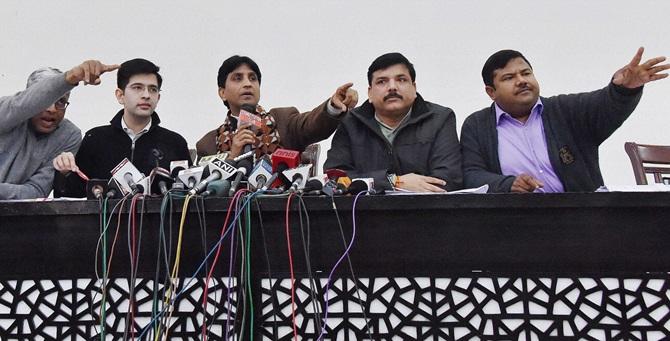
(219, 176)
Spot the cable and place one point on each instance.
(306, 247)
(132, 244)
(351, 269)
(290, 262)
(216, 259)
(346, 252)
(193, 276)
(251, 300)
(175, 269)
(267, 260)
(107, 266)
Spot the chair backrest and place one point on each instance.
(641, 154)
(311, 156)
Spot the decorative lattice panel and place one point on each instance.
(473, 308)
(70, 309)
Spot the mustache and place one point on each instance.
(524, 88)
(392, 95)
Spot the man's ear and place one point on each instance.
(491, 91)
(119, 96)
(222, 93)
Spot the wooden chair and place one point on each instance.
(311, 155)
(641, 154)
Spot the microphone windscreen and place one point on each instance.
(313, 185)
(218, 188)
(357, 187)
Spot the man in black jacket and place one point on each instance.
(396, 137)
(133, 133)
(525, 143)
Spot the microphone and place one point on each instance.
(247, 116)
(283, 159)
(217, 188)
(127, 177)
(339, 187)
(158, 156)
(136, 188)
(361, 185)
(191, 176)
(203, 161)
(240, 172)
(314, 185)
(260, 174)
(218, 168)
(297, 176)
(175, 168)
(95, 188)
(164, 179)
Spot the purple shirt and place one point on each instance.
(522, 148)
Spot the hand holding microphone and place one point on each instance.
(244, 137)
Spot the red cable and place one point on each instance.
(235, 198)
(290, 262)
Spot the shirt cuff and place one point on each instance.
(332, 111)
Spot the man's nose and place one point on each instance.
(392, 85)
(52, 108)
(521, 79)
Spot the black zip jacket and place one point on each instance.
(104, 147)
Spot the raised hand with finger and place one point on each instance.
(635, 75)
(345, 98)
(89, 72)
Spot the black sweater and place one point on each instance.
(575, 125)
(104, 147)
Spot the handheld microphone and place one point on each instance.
(158, 156)
(218, 169)
(127, 176)
(175, 168)
(283, 159)
(96, 188)
(297, 176)
(314, 185)
(260, 174)
(338, 187)
(361, 185)
(164, 179)
(136, 187)
(247, 116)
(203, 161)
(190, 177)
(270, 181)
(240, 172)
(113, 189)
(217, 188)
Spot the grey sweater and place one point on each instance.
(26, 169)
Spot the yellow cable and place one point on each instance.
(175, 268)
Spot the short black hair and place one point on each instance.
(137, 66)
(497, 61)
(229, 65)
(386, 60)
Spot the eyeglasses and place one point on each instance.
(61, 104)
(139, 88)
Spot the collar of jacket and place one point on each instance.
(116, 120)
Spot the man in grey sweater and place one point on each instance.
(33, 131)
